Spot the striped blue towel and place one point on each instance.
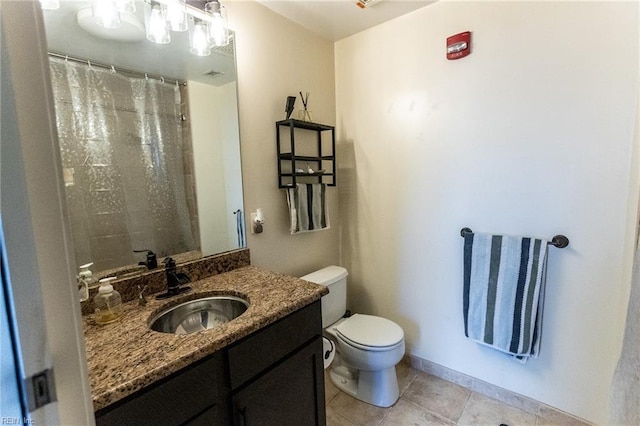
(504, 280)
(308, 207)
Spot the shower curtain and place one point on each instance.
(624, 401)
(122, 152)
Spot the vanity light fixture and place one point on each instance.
(207, 23)
(155, 24)
(218, 31)
(175, 15)
(125, 6)
(106, 14)
(199, 37)
(205, 19)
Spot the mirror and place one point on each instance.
(149, 163)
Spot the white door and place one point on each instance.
(11, 405)
(42, 330)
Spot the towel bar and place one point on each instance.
(559, 241)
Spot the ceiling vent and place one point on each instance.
(213, 73)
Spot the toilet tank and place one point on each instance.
(334, 304)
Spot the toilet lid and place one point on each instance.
(369, 330)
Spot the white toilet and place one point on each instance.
(368, 347)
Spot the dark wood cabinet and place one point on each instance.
(177, 399)
(212, 416)
(272, 376)
(289, 394)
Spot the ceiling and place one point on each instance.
(337, 19)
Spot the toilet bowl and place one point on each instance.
(367, 347)
(365, 363)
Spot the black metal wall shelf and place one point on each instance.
(289, 161)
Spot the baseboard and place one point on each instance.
(492, 391)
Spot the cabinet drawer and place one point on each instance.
(173, 400)
(258, 351)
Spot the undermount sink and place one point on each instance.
(199, 314)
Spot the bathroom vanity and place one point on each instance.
(264, 367)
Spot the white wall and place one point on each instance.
(231, 157)
(277, 58)
(211, 120)
(532, 134)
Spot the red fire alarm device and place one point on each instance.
(459, 45)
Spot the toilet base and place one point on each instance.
(379, 388)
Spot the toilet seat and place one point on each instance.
(369, 332)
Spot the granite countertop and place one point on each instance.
(126, 355)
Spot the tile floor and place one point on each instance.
(428, 400)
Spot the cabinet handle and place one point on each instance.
(242, 414)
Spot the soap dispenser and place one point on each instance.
(108, 303)
(85, 279)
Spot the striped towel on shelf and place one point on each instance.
(503, 297)
(308, 207)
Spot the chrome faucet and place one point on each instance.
(174, 280)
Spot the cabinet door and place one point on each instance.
(174, 400)
(291, 393)
(261, 350)
(213, 416)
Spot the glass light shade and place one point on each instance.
(218, 30)
(105, 13)
(126, 6)
(156, 29)
(175, 15)
(212, 7)
(50, 4)
(200, 38)
(218, 34)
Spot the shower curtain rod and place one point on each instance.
(120, 70)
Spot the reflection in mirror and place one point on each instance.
(127, 164)
(149, 144)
